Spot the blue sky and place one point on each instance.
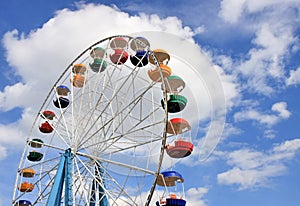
(253, 45)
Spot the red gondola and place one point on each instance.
(181, 149)
(47, 114)
(46, 127)
(178, 126)
(119, 57)
(118, 43)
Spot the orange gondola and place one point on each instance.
(26, 187)
(27, 172)
(79, 69)
(161, 56)
(78, 78)
(156, 75)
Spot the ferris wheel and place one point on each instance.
(104, 128)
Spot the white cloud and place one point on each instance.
(265, 62)
(288, 147)
(294, 77)
(265, 118)
(246, 179)
(17, 95)
(10, 135)
(269, 134)
(15, 134)
(231, 88)
(3, 152)
(258, 5)
(274, 26)
(195, 196)
(252, 168)
(281, 108)
(232, 10)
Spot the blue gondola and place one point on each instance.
(140, 59)
(23, 203)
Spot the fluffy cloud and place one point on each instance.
(232, 10)
(265, 62)
(280, 109)
(231, 88)
(252, 168)
(246, 179)
(195, 196)
(14, 135)
(275, 39)
(287, 149)
(294, 77)
(3, 152)
(13, 96)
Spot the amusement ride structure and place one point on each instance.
(101, 135)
